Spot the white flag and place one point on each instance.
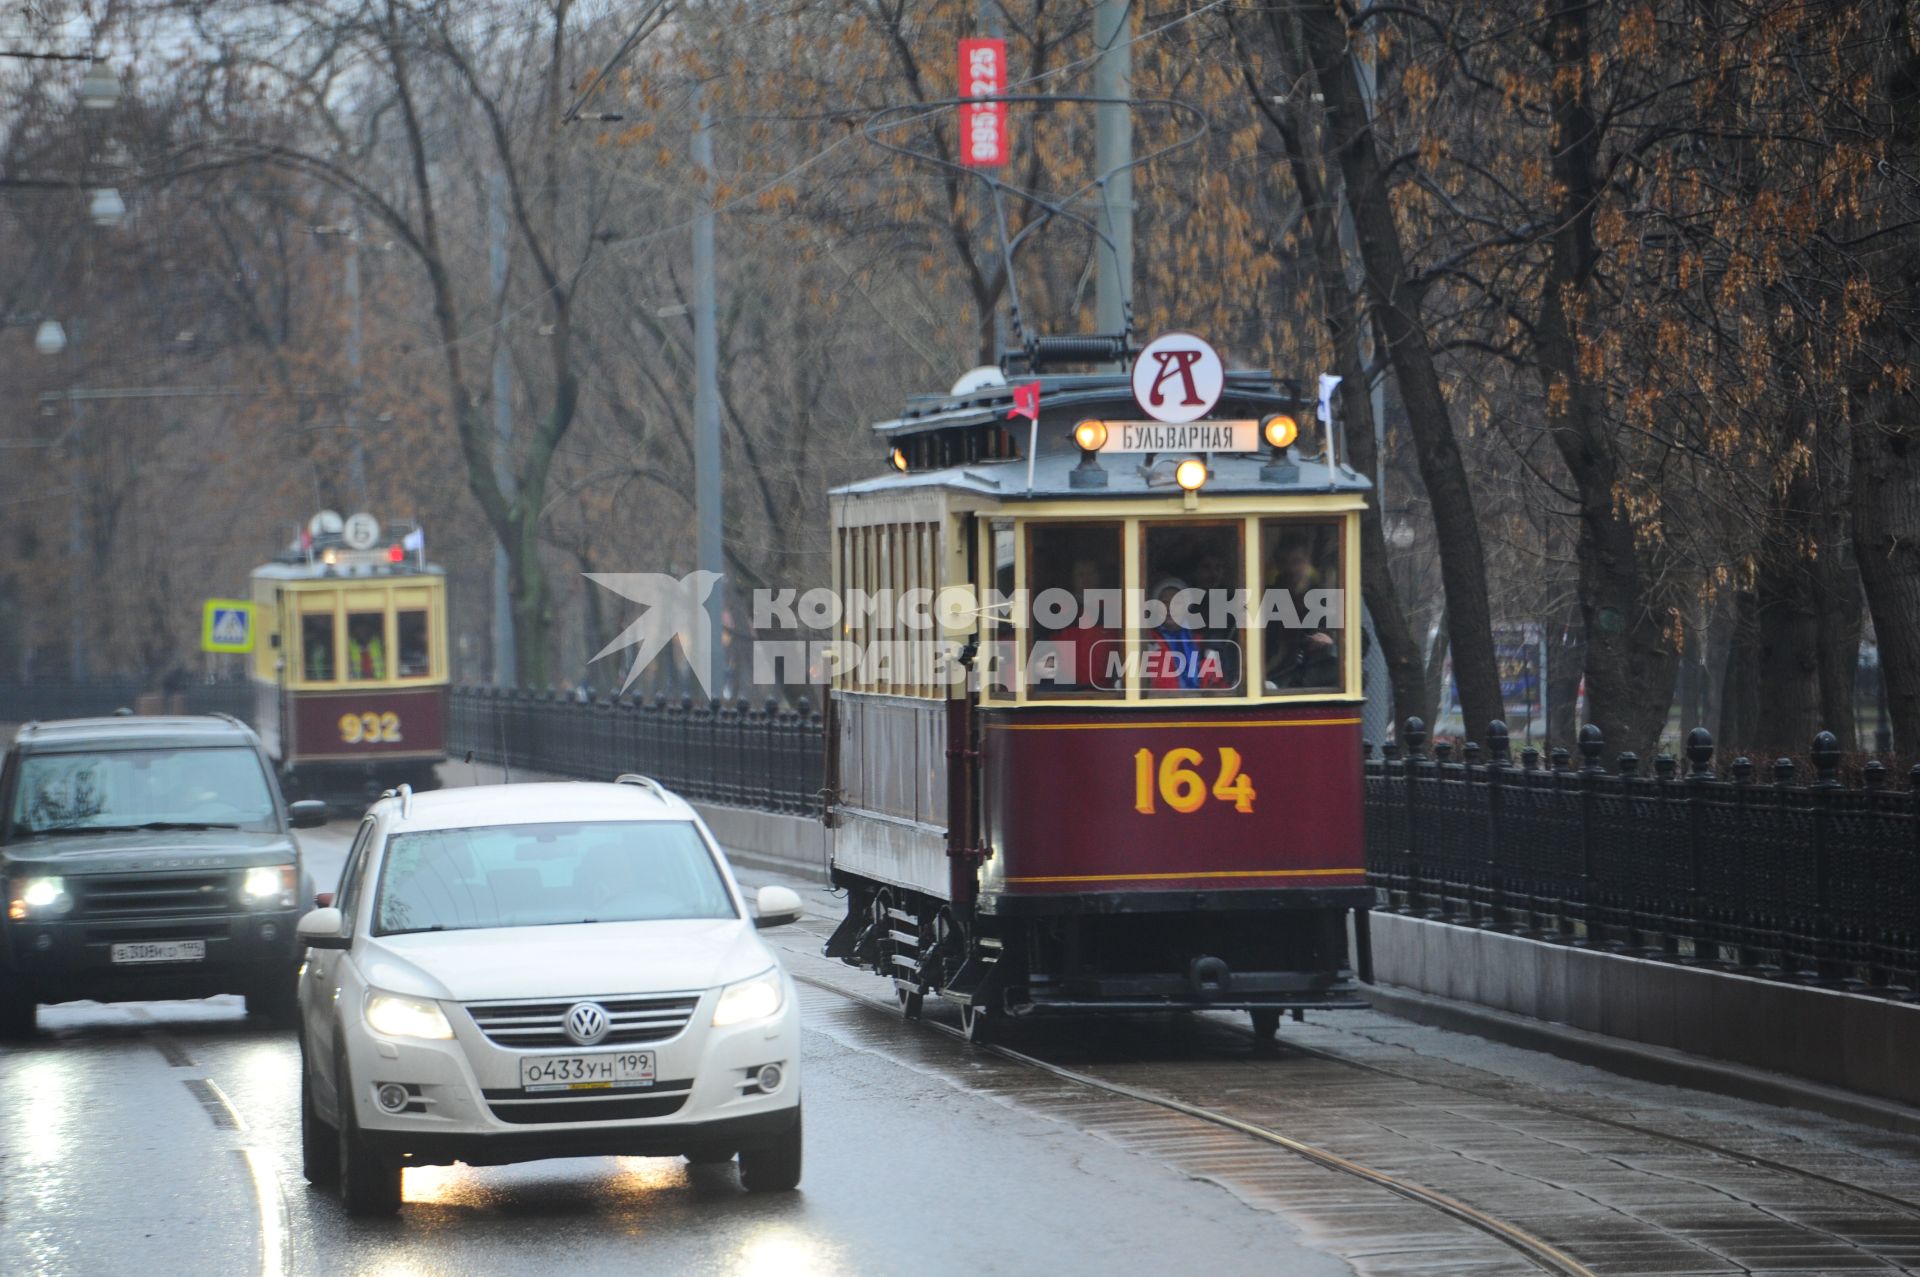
(1328, 384)
(415, 540)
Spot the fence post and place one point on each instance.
(1699, 774)
(1416, 734)
(1592, 742)
(1497, 739)
(1826, 760)
(1912, 927)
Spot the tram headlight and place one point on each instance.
(1090, 436)
(1191, 474)
(1281, 430)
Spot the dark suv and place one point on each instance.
(147, 858)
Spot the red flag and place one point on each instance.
(1026, 402)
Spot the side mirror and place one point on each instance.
(308, 813)
(776, 907)
(323, 929)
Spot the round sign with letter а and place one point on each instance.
(1178, 377)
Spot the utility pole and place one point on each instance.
(77, 552)
(506, 671)
(1112, 153)
(357, 448)
(706, 398)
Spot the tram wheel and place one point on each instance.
(976, 1022)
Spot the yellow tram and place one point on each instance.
(351, 672)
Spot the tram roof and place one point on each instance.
(1074, 392)
(285, 569)
(1067, 399)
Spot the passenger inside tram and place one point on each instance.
(1075, 576)
(316, 643)
(1194, 650)
(366, 652)
(1303, 565)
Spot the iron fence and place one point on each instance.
(768, 756)
(1816, 882)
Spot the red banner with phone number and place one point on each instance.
(983, 125)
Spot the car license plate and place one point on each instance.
(161, 951)
(586, 1072)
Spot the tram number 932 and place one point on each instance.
(1176, 782)
(369, 728)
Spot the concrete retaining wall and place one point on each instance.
(1867, 1045)
(766, 840)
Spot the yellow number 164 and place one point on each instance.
(1182, 788)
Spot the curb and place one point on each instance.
(1644, 1063)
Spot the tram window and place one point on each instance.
(410, 634)
(1194, 576)
(1074, 597)
(316, 646)
(366, 645)
(1303, 607)
(996, 661)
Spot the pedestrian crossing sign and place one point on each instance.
(226, 626)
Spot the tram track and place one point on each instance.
(1675, 1212)
(1904, 1205)
(1540, 1253)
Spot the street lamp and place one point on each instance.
(107, 208)
(50, 338)
(100, 90)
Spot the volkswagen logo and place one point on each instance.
(586, 1022)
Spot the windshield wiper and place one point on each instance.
(414, 931)
(187, 824)
(86, 829)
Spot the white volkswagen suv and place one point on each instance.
(530, 971)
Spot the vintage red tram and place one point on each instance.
(1121, 806)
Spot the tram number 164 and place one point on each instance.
(369, 728)
(1183, 788)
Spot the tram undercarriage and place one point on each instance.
(1263, 952)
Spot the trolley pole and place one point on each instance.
(1113, 152)
(506, 668)
(706, 400)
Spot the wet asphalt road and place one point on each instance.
(162, 1138)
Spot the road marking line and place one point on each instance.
(276, 1250)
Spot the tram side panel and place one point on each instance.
(1175, 857)
(890, 823)
(1180, 799)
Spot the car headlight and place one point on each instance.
(37, 895)
(401, 1017)
(269, 885)
(754, 999)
